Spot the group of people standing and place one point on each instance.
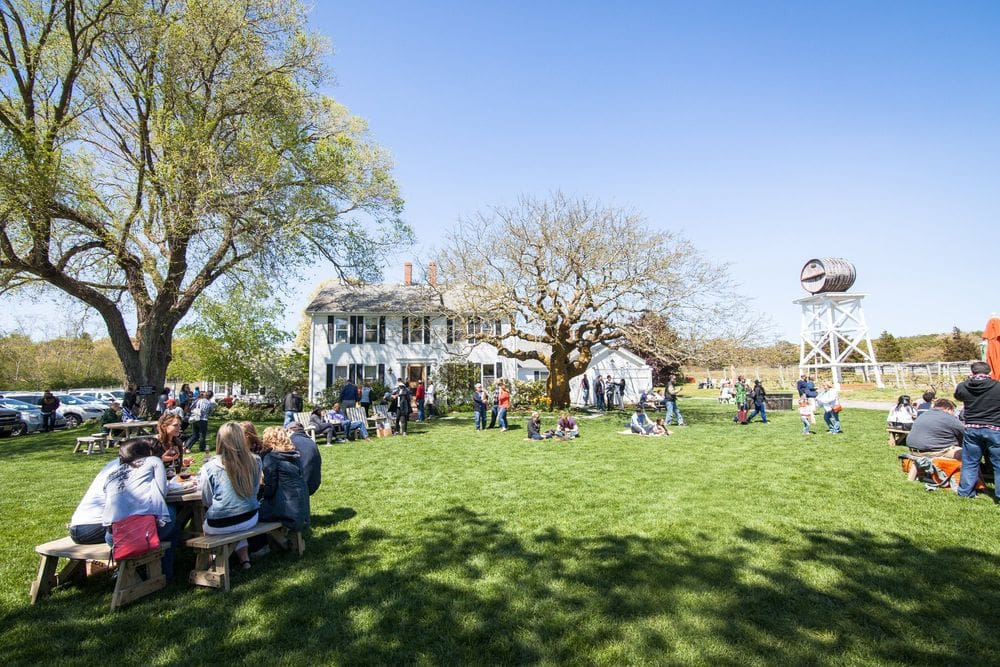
(482, 402)
(607, 393)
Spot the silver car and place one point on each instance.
(30, 417)
(72, 409)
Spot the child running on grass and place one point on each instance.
(806, 413)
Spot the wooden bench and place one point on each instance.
(129, 586)
(211, 566)
(897, 436)
(91, 442)
(307, 427)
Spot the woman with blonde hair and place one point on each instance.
(285, 497)
(229, 484)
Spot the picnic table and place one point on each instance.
(190, 509)
(119, 431)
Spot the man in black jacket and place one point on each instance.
(293, 404)
(312, 463)
(981, 396)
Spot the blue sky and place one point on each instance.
(767, 133)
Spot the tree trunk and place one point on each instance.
(146, 367)
(558, 382)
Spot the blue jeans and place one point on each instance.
(480, 419)
(758, 408)
(420, 409)
(289, 418)
(832, 420)
(360, 427)
(48, 421)
(977, 442)
(671, 409)
(805, 424)
(166, 534)
(502, 417)
(199, 431)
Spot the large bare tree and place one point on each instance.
(152, 148)
(568, 274)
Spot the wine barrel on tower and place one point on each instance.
(827, 274)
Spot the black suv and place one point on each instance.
(9, 421)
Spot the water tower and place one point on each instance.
(834, 330)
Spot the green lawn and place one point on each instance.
(721, 545)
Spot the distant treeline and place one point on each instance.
(60, 363)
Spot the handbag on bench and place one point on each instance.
(134, 536)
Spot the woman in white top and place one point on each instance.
(137, 484)
(828, 399)
(87, 524)
(902, 416)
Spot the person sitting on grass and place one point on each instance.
(229, 485)
(567, 427)
(928, 403)
(640, 423)
(659, 428)
(535, 428)
(937, 434)
(901, 417)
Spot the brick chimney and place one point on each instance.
(432, 273)
(408, 273)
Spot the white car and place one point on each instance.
(101, 395)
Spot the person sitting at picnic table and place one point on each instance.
(312, 462)
(901, 417)
(351, 426)
(535, 428)
(322, 425)
(229, 485)
(640, 423)
(284, 496)
(937, 434)
(87, 523)
(130, 404)
(659, 428)
(253, 440)
(113, 415)
(168, 431)
(567, 427)
(137, 484)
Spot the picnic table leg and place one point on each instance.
(42, 586)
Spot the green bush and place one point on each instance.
(245, 412)
(531, 393)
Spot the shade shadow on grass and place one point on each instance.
(467, 589)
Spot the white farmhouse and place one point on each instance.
(391, 331)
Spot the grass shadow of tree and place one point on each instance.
(464, 588)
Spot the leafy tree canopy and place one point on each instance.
(151, 148)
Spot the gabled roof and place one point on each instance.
(376, 299)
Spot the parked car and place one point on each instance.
(74, 414)
(67, 399)
(8, 422)
(30, 417)
(89, 397)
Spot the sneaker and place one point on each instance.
(260, 553)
